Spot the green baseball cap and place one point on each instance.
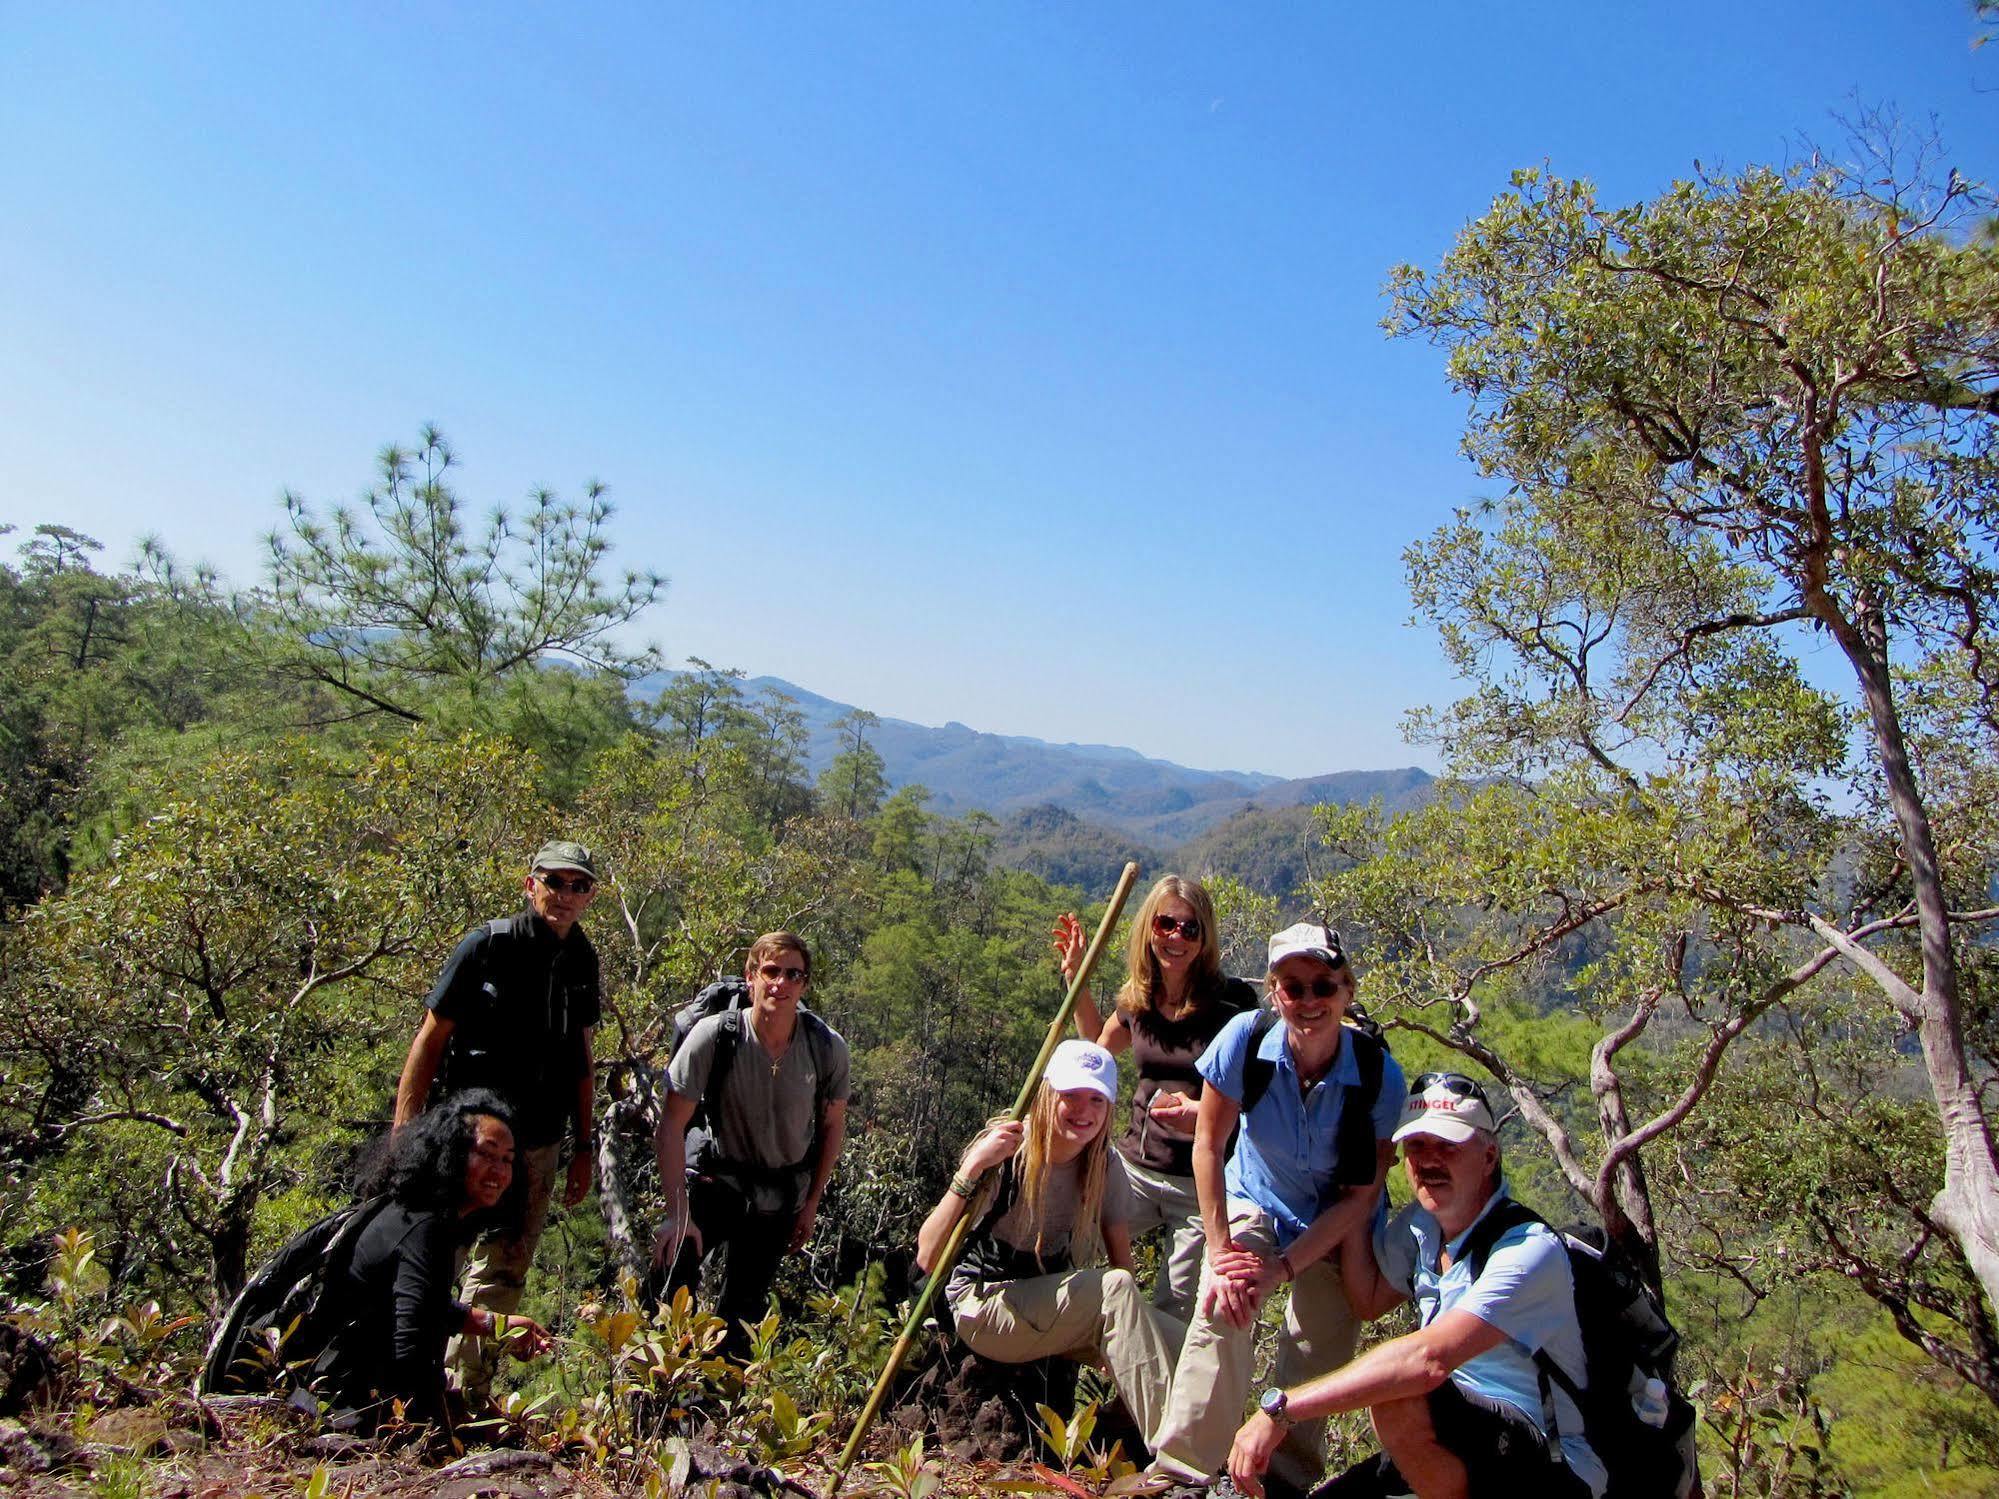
(562, 854)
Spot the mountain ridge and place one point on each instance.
(1151, 801)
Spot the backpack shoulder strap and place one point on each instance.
(818, 1037)
(1257, 1069)
(1003, 1199)
(731, 1041)
(1478, 1244)
(1354, 1148)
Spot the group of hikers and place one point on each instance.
(1259, 1140)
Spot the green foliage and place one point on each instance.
(86, 660)
(244, 961)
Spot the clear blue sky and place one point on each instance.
(1009, 363)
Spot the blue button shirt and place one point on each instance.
(1526, 1291)
(1284, 1153)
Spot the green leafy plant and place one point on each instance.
(906, 1475)
(782, 1434)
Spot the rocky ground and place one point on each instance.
(975, 1419)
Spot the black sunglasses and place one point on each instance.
(1187, 926)
(1295, 989)
(1451, 1082)
(581, 885)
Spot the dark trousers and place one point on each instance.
(1506, 1459)
(755, 1242)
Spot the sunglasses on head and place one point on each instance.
(581, 885)
(1319, 988)
(1187, 926)
(1451, 1082)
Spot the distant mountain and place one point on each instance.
(1154, 803)
(1065, 850)
(1273, 850)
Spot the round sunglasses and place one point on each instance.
(1187, 926)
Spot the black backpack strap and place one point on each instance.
(1257, 1070)
(1477, 1247)
(1474, 1252)
(1354, 1145)
(708, 1112)
(819, 1039)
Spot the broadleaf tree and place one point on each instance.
(1729, 622)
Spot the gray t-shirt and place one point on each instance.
(1059, 1193)
(766, 1116)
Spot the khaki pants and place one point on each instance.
(1093, 1316)
(1211, 1384)
(1169, 1203)
(496, 1269)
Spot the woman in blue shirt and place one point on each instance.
(1316, 1100)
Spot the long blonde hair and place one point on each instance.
(1142, 979)
(1086, 1238)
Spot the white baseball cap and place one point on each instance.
(1082, 1064)
(1310, 939)
(1448, 1106)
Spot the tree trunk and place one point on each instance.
(1968, 1206)
(629, 1118)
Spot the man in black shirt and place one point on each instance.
(513, 1011)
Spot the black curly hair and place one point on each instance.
(422, 1165)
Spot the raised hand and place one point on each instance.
(1069, 944)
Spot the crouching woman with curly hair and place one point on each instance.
(440, 1180)
(1056, 1202)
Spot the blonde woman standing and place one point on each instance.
(1174, 1001)
(1025, 1286)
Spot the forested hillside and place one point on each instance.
(1712, 917)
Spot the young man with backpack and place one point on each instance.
(1483, 1398)
(513, 1011)
(1309, 1101)
(764, 1088)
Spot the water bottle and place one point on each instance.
(1650, 1406)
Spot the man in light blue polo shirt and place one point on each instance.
(1317, 1101)
(1459, 1405)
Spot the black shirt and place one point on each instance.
(391, 1313)
(519, 999)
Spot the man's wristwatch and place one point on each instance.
(1276, 1405)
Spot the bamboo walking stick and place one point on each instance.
(948, 1255)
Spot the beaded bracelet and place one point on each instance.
(964, 1188)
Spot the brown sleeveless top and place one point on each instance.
(1166, 1051)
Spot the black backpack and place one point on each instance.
(286, 1297)
(1627, 1342)
(1355, 1147)
(717, 998)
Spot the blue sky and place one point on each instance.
(1012, 364)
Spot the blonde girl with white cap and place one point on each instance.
(1028, 1284)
